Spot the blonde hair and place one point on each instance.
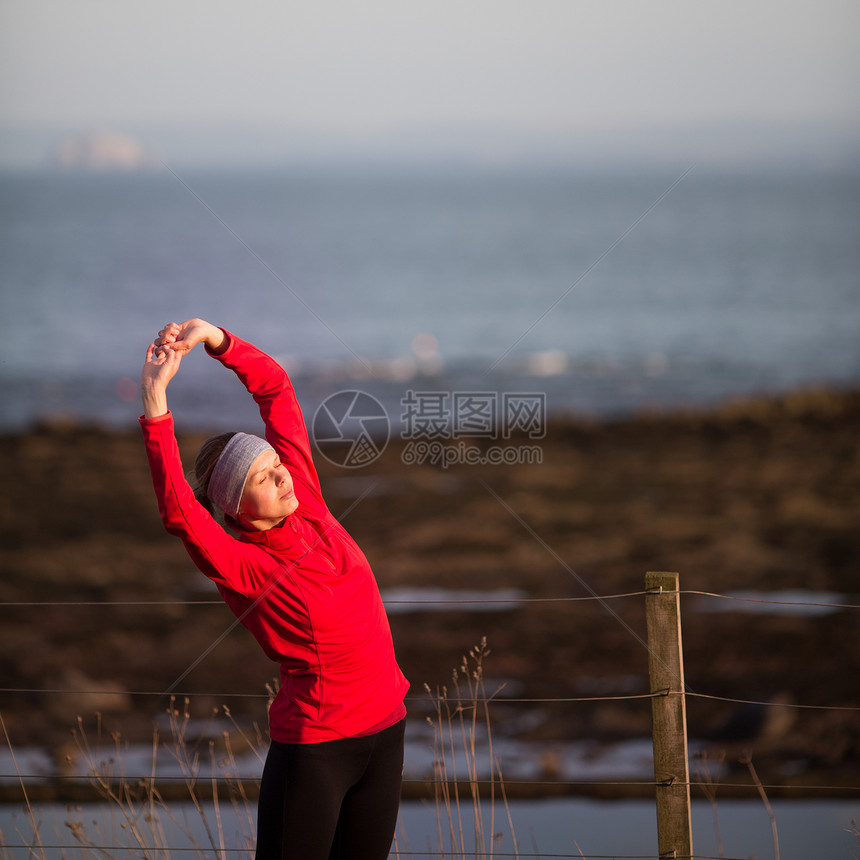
(204, 464)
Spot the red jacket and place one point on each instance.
(304, 589)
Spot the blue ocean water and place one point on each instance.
(566, 827)
(607, 292)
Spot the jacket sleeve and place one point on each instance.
(269, 385)
(229, 562)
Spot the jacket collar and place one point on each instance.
(281, 537)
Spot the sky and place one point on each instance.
(200, 79)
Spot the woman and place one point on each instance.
(294, 578)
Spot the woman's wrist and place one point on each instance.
(154, 399)
(216, 341)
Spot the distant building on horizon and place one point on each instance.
(102, 152)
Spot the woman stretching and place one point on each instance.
(330, 788)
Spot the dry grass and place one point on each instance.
(141, 822)
(460, 719)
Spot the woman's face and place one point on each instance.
(268, 498)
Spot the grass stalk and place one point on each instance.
(215, 802)
(748, 762)
(463, 711)
(242, 804)
(117, 792)
(31, 815)
(709, 788)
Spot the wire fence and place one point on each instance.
(453, 603)
(549, 787)
(447, 601)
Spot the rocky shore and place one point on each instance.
(759, 495)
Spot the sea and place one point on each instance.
(574, 828)
(606, 292)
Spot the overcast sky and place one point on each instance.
(399, 72)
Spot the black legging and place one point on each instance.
(336, 800)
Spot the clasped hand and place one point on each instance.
(164, 354)
(183, 337)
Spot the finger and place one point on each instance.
(183, 345)
(168, 333)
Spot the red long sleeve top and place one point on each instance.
(304, 589)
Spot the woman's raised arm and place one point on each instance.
(159, 368)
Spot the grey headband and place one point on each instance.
(231, 471)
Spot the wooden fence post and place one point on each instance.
(669, 714)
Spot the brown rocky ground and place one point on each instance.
(763, 494)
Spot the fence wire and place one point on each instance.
(553, 785)
(447, 601)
